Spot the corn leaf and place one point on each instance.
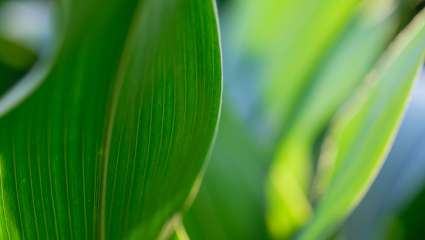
(362, 134)
(107, 141)
(347, 64)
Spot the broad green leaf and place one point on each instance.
(347, 64)
(108, 141)
(363, 133)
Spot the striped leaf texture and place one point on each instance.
(106, 138)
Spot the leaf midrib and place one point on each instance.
(135, 22)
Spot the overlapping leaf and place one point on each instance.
(397, 183)
(346, 65)
(362, 135)
(304, 31)
(251, 200)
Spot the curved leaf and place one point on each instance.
(399, 180)
(111, 142)
(363, 133)
(341, 71)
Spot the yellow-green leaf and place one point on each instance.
(289, 189)
(362, 134)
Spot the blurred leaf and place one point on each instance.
(16, 56)
(110, 143)
(363, 133)
(8, 77)
(175, 230)
(410, 220)
(409, 9)
(341, 71)
(15, 61)
(230, 204)
(310, 28)
(288, 202)
(399, 180)
(286, 40)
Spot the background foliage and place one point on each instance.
(263, 44)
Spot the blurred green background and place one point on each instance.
(232, 203)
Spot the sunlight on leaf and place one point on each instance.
(363, 133)
(344, 68)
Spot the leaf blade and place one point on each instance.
(365, 131)
(59, 150)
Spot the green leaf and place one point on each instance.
(15, 60)
(409, 218)
(8, 77)
(287, 40)
(230, 204)
(109, 141)
(14, 55)
(363, 133)
(345, 66)
(308, 31)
